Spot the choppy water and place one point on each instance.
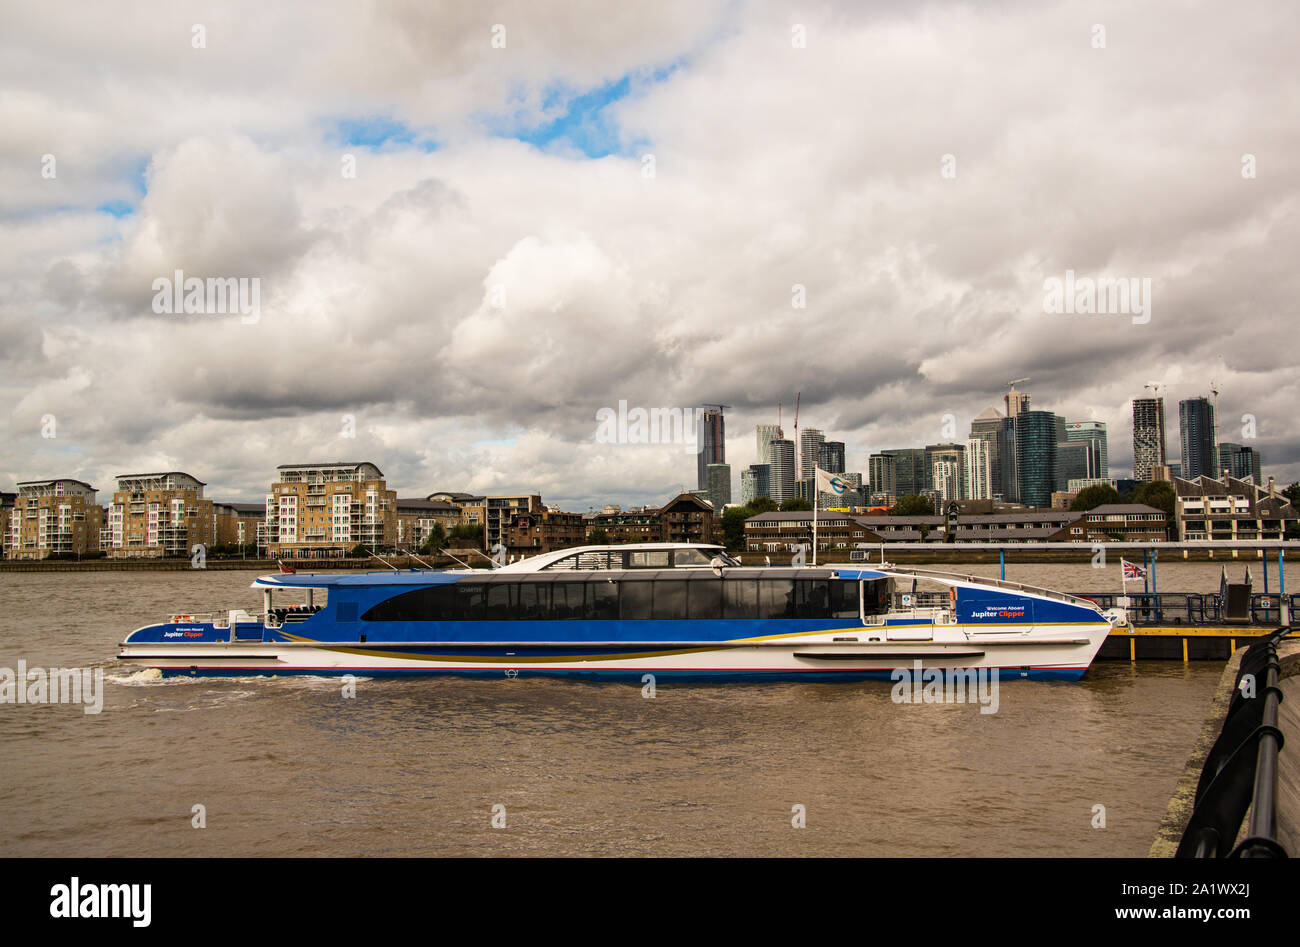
(414, 767)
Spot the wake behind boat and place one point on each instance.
(672, 609)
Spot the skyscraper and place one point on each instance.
(810, 442)
(712, 440)
(719, 485)
(830, 457)
(979, 476)
(947, 480)
(1074, 462)
(881, 474)
(1240, 462)
(1036, 433)
(954, 454)
(782, 471)
(1010, 478)
(1148, 437)
(1196, 427)
(1017, 402)
(764, 434)
(1095, 433)
(911, 472)
(986, 427)
(755, 482)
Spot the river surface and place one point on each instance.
(417, 767)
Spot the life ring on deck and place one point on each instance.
(177, 619)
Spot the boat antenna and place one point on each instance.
(419, 560)
(444, 552)
(384, 561)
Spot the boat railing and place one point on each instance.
(1193, 608)
(984, 580)
(195, 618)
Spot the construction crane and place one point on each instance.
(797, 396)
(1011, 386)
(720, 407)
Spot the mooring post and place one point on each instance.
(1155, 593)
(1284, 607)
(1002, 564)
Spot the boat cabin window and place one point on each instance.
(600, 559)
(876, 596)
(649, 559)
(666, 599)
(691, 557)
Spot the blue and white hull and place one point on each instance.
(724, 623)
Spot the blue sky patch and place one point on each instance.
(378, 132)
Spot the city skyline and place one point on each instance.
(742, 440)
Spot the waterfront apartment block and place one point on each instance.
(1229, 508)
(240, 524)
(53, 518)
(1126, 522)
(493, 512)
(532, 533)
(417, 516)
(686, 518)
(776, 532)
(6, 512)
(157, 515)
(321, 511)
(689, 519)
(625, 526)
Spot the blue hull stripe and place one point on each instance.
(608, 674)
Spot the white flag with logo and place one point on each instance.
(829, 483)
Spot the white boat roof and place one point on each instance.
(545, 560)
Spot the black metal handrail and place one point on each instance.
(1191, 608)
(1240, 772)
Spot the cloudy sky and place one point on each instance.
(474, 225)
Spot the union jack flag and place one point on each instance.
(1132, 570)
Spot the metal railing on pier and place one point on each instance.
(1190, 608)
(1240, 772)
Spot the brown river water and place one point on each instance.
(415, 767)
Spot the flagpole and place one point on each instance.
(817, 496)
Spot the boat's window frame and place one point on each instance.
(626, 603)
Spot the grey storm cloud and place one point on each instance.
(476, 291)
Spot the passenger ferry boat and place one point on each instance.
(672, 609)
